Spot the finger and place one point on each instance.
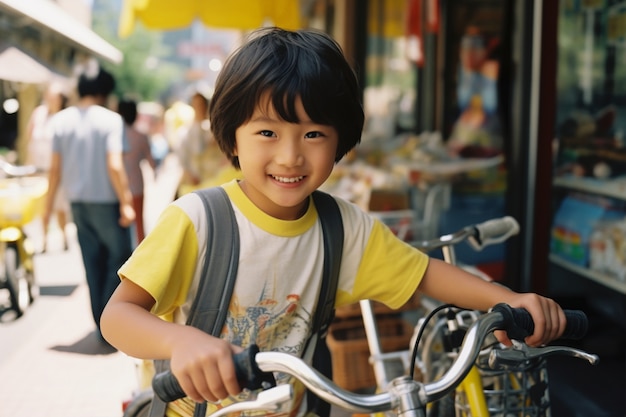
(503, 337)
(203, 384)
(229, 377)
(560, 321)
(541, 324)
(213, 378)
(188, 387)
(554, 323)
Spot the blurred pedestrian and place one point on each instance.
(199, 154)
(137, 151)
(150, 121)
(87, 162)
(39, 150)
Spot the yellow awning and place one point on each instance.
(230, 14)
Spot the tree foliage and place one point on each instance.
(144, 74)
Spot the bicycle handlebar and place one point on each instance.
(254, 369)
(494, 231)
(480, 235)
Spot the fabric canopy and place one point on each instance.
(18, 66)
(231, 14)
(50, 15)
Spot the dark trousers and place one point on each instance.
(105, 246)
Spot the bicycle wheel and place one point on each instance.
(140, 405)
(16, 281)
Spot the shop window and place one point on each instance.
(390, 86)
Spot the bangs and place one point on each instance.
(301, 78)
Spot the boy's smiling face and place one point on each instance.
(283, 163)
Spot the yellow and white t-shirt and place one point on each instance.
(279, 273)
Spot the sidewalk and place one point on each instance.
(53, 364)
(60, 368)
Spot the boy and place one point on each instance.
(286, 107)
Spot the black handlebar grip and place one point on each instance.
(248, 373)
(166, 386)
(519, 323)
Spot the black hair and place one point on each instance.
(127, 108)
(100, 83)
(304, 64)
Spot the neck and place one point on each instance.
(90, 101)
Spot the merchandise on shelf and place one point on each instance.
(574, 224)
(607, 248)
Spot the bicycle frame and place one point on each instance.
(404, 396)
(479, 236)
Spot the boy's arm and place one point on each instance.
(451, 284)
(201, 363)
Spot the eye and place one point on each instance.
(315, 134)
(266, 133)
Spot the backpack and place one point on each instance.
(223, 244)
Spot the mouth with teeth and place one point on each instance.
(288, 180)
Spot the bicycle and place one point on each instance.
(484, 392)
(403, 396)
(22, 196)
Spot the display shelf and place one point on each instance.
(615, 188)
(604, 279)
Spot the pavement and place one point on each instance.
(52, 363)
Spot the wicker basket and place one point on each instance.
(350, 352)
(518, 392)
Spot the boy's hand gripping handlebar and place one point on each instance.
(254, 369)
(248, 374)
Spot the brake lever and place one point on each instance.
(520, 353)
(275, 400)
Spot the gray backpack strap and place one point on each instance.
(221, 261)
(333, 235)
(332, 228)
(219, 272)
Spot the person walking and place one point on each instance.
(40, 150)
(87, 162)
(138, 151)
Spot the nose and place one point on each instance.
(290, 153)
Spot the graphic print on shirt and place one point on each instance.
(270, 322)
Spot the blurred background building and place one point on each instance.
(41, 41)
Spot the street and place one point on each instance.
(51, 362)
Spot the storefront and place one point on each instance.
(41, 42)
(540, 84)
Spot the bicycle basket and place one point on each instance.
(518, 392)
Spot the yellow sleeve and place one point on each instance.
(390, 270)
(165, 262)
